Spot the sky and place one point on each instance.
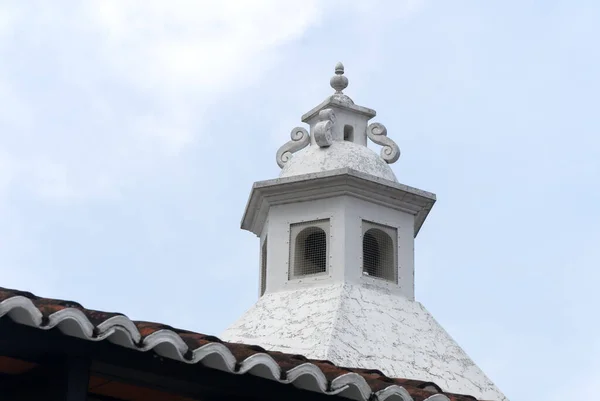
(131, 133)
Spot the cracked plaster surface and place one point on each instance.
(341, 154)
(363, 326)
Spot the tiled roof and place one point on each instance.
(189, 347)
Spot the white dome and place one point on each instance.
(341, 154)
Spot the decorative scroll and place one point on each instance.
(300, 140)
(378, 134)
(322, 132)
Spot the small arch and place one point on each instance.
(348, 133)
(309, 253)
(379, 255)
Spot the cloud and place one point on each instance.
(7, 19)
(100, 95)
(6, 171)
(196, 45)
(582, 385)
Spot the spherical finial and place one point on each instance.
(339, 82)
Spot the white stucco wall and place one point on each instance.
(359, 210)
(344, 117)
(345, 215)
(365, 326)
(341, 154)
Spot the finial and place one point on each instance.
(339, 82)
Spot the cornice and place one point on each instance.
(333, 183)
(337, 102)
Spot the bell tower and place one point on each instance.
(337, 235)
(337, 214)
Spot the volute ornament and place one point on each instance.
(378, 134)
(300, 139)
(322, 132)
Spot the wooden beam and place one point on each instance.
(76, 375)
(13, 366)
(12, 384)
(61, 380)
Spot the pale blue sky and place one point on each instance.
(131, 133)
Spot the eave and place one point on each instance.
(328, 184)
(332, 101)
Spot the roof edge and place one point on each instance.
(332, 183)
(76, 321)
(333, 101)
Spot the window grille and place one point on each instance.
(380, 252)
(263, 267)
(309, 248)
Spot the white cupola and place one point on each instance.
(336, 264)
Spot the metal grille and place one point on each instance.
(379, 252)
(308, 253)
(263, 267)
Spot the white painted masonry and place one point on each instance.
(362, 325)
(339, 155)
(343, 315)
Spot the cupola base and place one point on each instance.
(363, 326)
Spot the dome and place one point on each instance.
(341, 154)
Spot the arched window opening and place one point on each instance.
(379, 253)
(349, 133)
(263, 267)
(311, 252)
(371, 258)
(308, 254)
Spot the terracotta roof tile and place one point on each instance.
(240, 357)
